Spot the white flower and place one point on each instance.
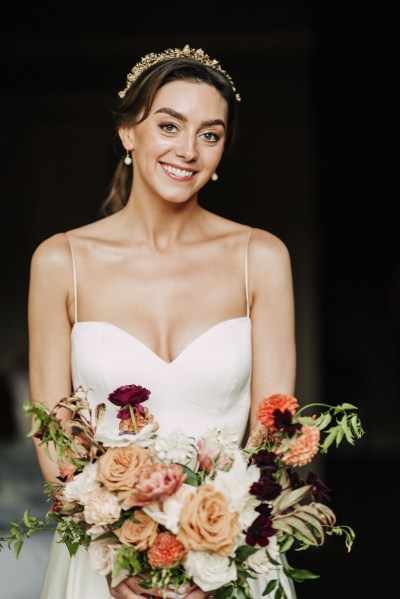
(102, 508)
(235, 485)
(224, 437)
(260, 562)
(83, 484)
(102, 555)
(209, 570)
(96, 531)
(176, 448)
(115, 438)
(168, 512)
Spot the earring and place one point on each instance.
(214, 177)
(128, 159)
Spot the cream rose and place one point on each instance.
(102, 555)
(260, 560)
(209, 570)
(168, 512)
(82, 485)
(119, 467)
(140, 535)
(206, 524)
(102, 508)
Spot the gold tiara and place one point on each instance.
(187, 52)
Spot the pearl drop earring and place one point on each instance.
(128, 159)
(214, 177)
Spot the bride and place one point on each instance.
(161, 292)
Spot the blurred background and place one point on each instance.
(315, 164)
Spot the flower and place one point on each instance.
(139, 531)
(61, 505)
(156, 481)
(83, 484)
(319, 489)
(283, 422)
(168, 511)
(260, 561)
(141, 420)
(102, 556)
(129, 395)
(165, 551)
(119, 467)
(303, 448)
(206, 522)
(268, 405)
(210, 570)
(102, 507)
(211, 456)
(261, 529)
(175, 448)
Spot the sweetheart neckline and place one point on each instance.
(153, 353)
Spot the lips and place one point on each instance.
(178, 173)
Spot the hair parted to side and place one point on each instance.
(135, 106)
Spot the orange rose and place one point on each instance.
(206, 524)
(140, 535)
(268, 405)
(119, 467)
(165, 551)
(303, 448)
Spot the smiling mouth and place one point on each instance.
(176, 172)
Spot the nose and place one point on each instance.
(187, 148)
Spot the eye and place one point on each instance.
(168, 127)
(210, 137)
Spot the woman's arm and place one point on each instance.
(272, 315)
(49, 330)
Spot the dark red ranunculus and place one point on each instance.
(129, 395)
(319, 489)
(259, 531)
(283, 422)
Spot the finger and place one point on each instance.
(123, 591)
(134, 585)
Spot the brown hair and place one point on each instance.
(136, 105)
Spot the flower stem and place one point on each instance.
(132, 413)
(311, 405)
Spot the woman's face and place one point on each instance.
(177, 148)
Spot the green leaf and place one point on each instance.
(326, 419)
(17, 548)
(243, 552)
(279, 593)
(287, 543)
(224, 592)
(240, 594)
(288, 499)
(347, 406)
(329, 439)
(347, 430)
(299, 525)
(300, 575)
(270, 587)
(191, 477)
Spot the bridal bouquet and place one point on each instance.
(175, 510)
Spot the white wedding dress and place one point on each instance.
(206, 385)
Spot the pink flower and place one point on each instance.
(129, 395)
(156, 482)
(62, 506)
(303, 448)
(212, 456)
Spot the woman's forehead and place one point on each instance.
(190, 98)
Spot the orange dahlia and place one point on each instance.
(165, 551)
(268, 405)
(303, 448)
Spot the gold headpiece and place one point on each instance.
(187, 52)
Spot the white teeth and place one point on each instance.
(177, 171)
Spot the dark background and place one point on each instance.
(315, 164)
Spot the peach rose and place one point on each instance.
(165, 551)
(140, 535)
(156, 482)
(303, 448)
(206, 524)
(119, 467)
(268, 405)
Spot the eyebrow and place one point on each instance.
(182, 117)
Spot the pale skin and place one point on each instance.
(163, 268)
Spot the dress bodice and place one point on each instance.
(207, 385)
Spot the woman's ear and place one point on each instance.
(127, 136)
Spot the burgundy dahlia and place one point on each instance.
(294, 479)
(265, 460)
(265, 489)
(319, 489)
(283, 422)
(129, 395)
(260, 531)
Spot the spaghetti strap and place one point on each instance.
(246, 273)
(75, 283)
